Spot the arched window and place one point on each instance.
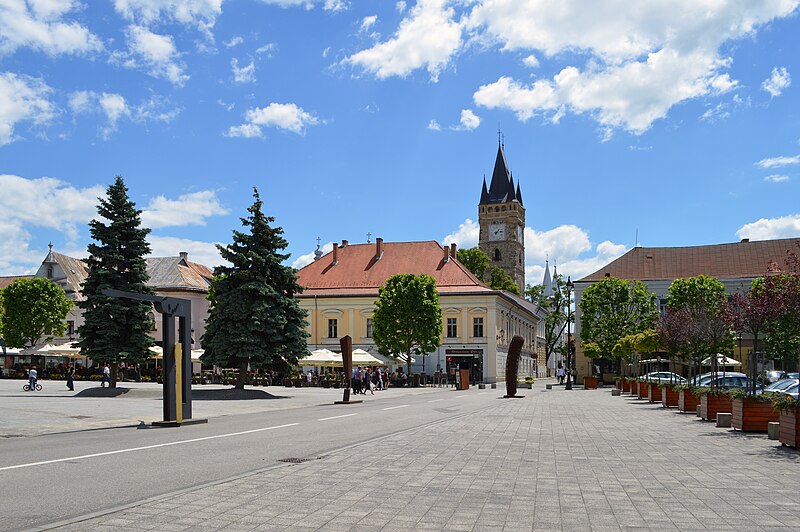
(496, 255)
(497, 209)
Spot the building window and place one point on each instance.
(452, 327)
(662, 306)
(496, 255)
(369, 327)
(477, 327)
(70, 328)
(49, 272)
(333, 326)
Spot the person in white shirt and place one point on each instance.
(106, 377)
(32, 377)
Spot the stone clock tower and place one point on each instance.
(501, 217)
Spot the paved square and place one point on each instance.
(556, 460)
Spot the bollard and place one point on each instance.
(773, 430)
(724, 420)
(698, 410)
(615, 392)
(481, 386)
(494, 385)
(549, 387)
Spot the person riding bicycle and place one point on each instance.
(32, 377)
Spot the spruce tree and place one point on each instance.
(254, 318)
(115, 329)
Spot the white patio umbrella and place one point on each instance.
(722, 360)
(321, 358)
(364, 358)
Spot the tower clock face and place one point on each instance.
(497, 232)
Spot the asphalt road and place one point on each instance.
(54, 477)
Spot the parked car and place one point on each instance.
(774, 376)
(792, 391)
(780, 386)
(728, 379)
(664, 377)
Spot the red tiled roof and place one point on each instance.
(5, 281)
(357, 272)
(740, 260)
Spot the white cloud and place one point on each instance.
(308, 258)
(427, 38)
(469, 121)
(156, 54)
(433, 125)
(186, 209)
(327, 5)
(22, 203)
(205, 253)
(287, 116)
(245, 74)
(193, 12)
(336, 5)
(630, 96)
(234, 41)
(771, 228)
(640, 61)
(566, 246)
(466, 236)
(368, 21)
(777, 162)
(269, 49)
(777, 82)
(114, 107)
(400, 6)
(776, 178)
(530, 61)
(41, 25)
(23, 99)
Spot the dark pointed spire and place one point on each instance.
(499, 190)
(484, 192)
(519, 194)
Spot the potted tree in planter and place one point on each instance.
(593, 351)
(752, 413)
(672, 336)
(669, 395)
(789, 418)
(687, 398)
(712, 402)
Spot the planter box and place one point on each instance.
(711, 405)
(669, 397)
(618, 385)
(626, 386)
(635, 388)
(790, 428)
(752, 416)
(688, 402)
(643, 392)
(654, 393)
(590, 383)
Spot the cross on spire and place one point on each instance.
(369, 236)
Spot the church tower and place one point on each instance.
(501, 217)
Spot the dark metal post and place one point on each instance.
(185, 338)
(168, 365)
(570, 374)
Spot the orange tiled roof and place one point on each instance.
(357, 272)
(740, 260)
(5, 281)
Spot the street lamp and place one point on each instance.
(570, 374)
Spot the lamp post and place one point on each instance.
(570, 374)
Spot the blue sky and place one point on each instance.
(674, 119)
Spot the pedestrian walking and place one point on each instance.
(379, 383)
(308, 378)
(359, 380)
(106, 377)
(561, 375)
(71, 379)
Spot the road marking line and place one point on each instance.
(460, 396)
(393, 407)
(336, 417)
(436, 400)
(146, 447)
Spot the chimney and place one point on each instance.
(378, 248)
(745, 240)
(184, 255)
(453, 250)
(446, 257)
(335, 254)
(344, 243)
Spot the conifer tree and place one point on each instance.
(115, 329)
(254, 319)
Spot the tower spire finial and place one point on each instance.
(499, 137)
(50, 246)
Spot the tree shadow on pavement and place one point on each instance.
(232, 394)
(102, 392)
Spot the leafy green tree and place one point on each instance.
(555, 306)
(500, 280)
(407, 318)
(475, 260)
(612, 309)
(115, 329)
(478, 263)
(34, 309)
(710, 323)
(254, 319)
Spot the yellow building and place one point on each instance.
(477, 322)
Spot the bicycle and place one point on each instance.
(27, 387)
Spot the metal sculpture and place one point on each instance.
(512, 366)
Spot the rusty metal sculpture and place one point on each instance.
(512, 367)
(346, 343)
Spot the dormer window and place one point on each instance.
(49, 272)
